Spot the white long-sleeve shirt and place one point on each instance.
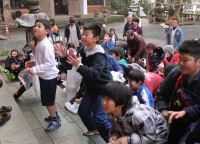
(45, 60)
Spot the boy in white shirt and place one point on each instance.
(45, 67)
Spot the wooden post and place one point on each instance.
(7, 11)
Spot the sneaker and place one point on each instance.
(90, 133)
(48, 118)
(53, 125)
(72, 107)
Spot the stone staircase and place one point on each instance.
(27, 118)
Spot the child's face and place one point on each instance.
(110, 107)
(149, 51)
(116, 57)
(134, 85)
(20, 58)
(167, 54)
(87, 38)
(135, 23)
(112, 32)
(106, 37)
(39, 30)
(187, 64)
(14, 54)
(32, 44)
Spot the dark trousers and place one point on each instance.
(181, 132)
(92, 114)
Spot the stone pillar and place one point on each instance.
(76, 7)
(7, 11)
(47, 6)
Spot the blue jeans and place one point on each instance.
(92, 114)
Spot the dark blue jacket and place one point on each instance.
(94, 70)
(108, 46)
(113, 64)
(169, 97)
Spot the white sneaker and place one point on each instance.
(72, 107)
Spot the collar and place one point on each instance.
(98, 48)
(139, 90)
(196, 78)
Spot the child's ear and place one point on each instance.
(140, 83)
(97, 38)
(47, 30)
(198, 62)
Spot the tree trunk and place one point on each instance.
(177, 8)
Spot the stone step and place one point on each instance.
(16, 130)
(71, 125)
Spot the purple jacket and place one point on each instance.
(138, 30)
(136, 47)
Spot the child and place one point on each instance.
(136, 83)
(149, 50)
(30, 56)
(170, 56)
(132, 122)
(11, 63)
(81, 24)
(118, 53)
(114, 36)
(95, 76)
(21, 61)
(45, 67)
(107, 43)
(179, 94)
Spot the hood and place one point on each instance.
(97, 49)
(123, 62)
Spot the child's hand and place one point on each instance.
(60, 50)
(122, 140)
(29, 64)
(30, 71)
(73, 61)
(176, 115)
(113, 140)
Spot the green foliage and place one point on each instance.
(146, 5)
(4, 53)
(121, 6)
(9, 75)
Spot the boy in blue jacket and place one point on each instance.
(179, 95)
(96, 75)
(138, 89)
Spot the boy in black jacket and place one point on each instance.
(95, 76)
(179, 95)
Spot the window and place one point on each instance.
(95, 2)
(14, 4)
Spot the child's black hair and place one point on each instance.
(118, 51)
(136, 75)
(45, 22)
(119, 93)
(112, 29)
(169, 68)
(19, 55)
(109, 34)
(191, 47)
(71, 45)
(80, 22)
(95, 27)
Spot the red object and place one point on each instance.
(6, 30)
(152, 82)
(69, 53)
(175, 59)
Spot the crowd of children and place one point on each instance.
(157, 102)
